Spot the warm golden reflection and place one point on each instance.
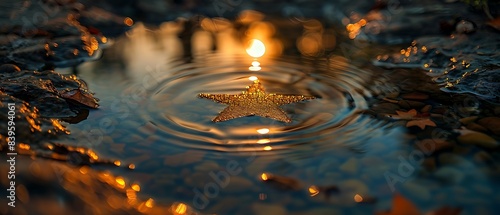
(263, 130)
(256, 48)
(313, 190)
(268, 148)
(117, 163)
(131, 166)
(253, 78)
(179, 209)
(128, 21)
(120, 182)
(264, 176)
(136, 187)
(358, 198)
(263, 141)
(255, 66)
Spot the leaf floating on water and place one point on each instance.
(421, 123)
(82, 98)
(401, 206)
(495, 23)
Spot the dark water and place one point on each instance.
(339, 155)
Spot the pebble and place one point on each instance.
(353, 187)
(480, 139)
(415, 96)
(491, 123)
(476, 127)
(265, 209)
(350, 166)
(468, 120)
(9, 68)
(207, 166)
(454, 160)
(426, 109)
(450, 175)
(418, 190)
(386, 108)
(238, 184)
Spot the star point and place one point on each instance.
(254, 102)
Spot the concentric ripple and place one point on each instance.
(333, 119)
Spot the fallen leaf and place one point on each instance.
(495, 23)
(403, 115)
(401, 206)
(421, 123)
(82, 98)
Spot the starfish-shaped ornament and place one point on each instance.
(254, 102)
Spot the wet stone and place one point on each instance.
(265, 209)
(415, 96)
(9, 68)
(450, 175)
(491, 123)
(477, 138)
(476, 127)
(350, 166)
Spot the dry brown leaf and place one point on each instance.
(82, 98)
(495, 23)
(401, 206)
(421, 123)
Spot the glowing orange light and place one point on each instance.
(256, 48)
(136, 187)
(358, 198)
(120, 181)
(313, 190)
(131, 166)
(264, 177)
(180, 209)
(263, 131)
(253, 78)
(263, 141)
(128, 21)
(268, 148)
(149, 203)
(117, 163)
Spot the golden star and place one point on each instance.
(254, 102)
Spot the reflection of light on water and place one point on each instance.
(253, 78)
(256, 48)
(264, 176)
(263, 141)
(263, 131)
(268, 148)
(313, 190)
(358, 198)
(179, 209)
(255, 66)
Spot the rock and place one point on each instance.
(426, 109)
(238, 184)
(468, 120)
(416, 105)
(480, 139)
(385, 108)
(450, 175)
(9, 68)
(418, 190)
(415, 96)
(207, 166)
(350, 166)
(491, 123)
(265, 209)
(451, 159)
(476, 127)
(353, 187)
